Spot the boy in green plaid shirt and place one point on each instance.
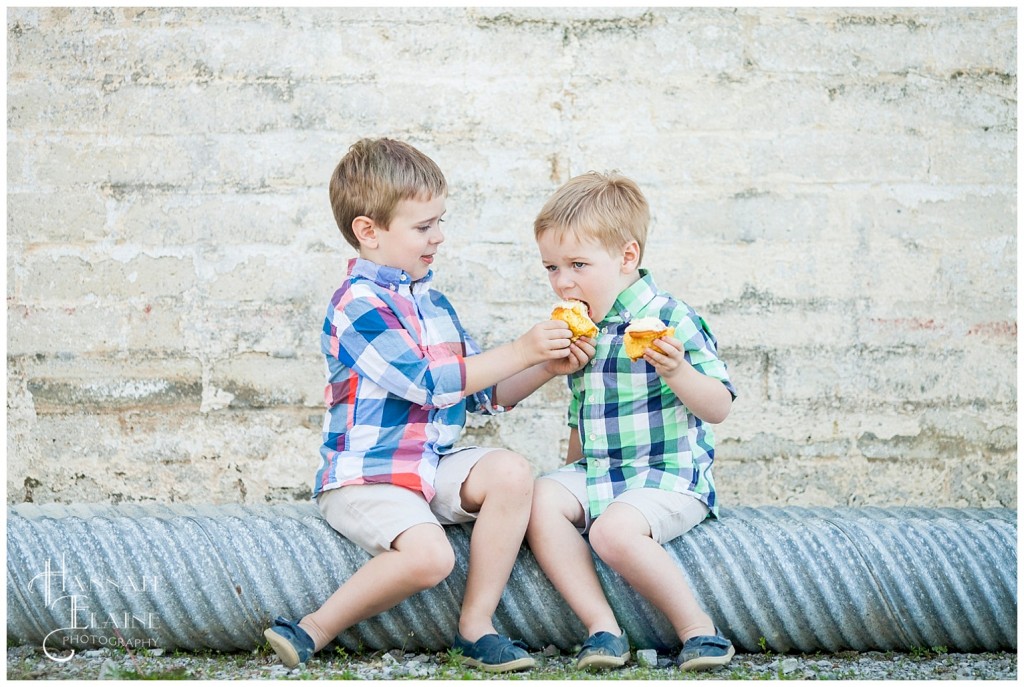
(638, 470)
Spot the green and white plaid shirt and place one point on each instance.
(635, 431)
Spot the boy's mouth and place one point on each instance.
(429, 259)
(590, 312)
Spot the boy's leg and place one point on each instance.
(565, 557)
(622, 538)
(411, 553)
(499, 490)
(419, 558)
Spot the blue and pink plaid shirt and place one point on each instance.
(395, 378)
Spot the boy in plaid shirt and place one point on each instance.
(638, 470)
(402, 374)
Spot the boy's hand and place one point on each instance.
(580, 353)
(546, 341)
(670, 360)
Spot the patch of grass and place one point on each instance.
(734, 673)
(795, 675)
(345, 674)
(22, 670)
(133, 674)
(334, 664)
(924, 653)
(263, 648)
(452, 667)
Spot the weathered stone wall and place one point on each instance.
(833, 189)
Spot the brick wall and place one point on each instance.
(833, 189)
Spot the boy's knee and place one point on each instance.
(608, 541)
(433, 564)
(512, 468)
(507, 471)
(520, 473)
(430, 557)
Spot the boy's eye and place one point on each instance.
(578, 265)
(550, 268)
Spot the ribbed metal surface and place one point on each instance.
(195, 577)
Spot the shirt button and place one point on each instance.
(625, 314)
(593, 437)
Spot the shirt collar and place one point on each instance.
(388, 277)
(633, 299)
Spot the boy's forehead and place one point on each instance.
(569, 244)
(421, 203)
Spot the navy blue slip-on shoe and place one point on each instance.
(705, 652)
(290, 642)
(603, 650)
(494, 653)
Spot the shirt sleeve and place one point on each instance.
(367, 336)
(701, 349)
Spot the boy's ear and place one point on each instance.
(365, 230)
(630, 256)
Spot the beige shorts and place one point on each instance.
(373, 515)
(669, 513)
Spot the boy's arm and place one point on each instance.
(706, 397)
(544, 342)
(511, 391)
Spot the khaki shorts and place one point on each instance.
(669, 513)
(373, 515)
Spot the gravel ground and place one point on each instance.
(29, 663)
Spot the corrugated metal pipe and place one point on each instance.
(784, 579)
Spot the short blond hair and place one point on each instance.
(374, 176)
(606, 207)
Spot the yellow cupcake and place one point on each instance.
(574, 314)
(641, 333)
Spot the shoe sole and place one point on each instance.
(708, 662)
(507, 667)
(283, 648)
(600, 662)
